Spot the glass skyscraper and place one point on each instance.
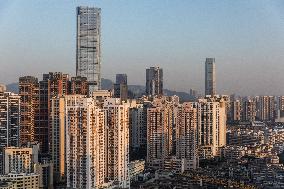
(88, 55)
(210, 77)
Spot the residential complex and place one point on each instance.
(9, 121)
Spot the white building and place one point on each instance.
(97, 142)
(23, 181)
(20, 159)
(211, 126)
(135, 168)
(9, 121)
(85, 158)
(186, 135)
(117, 113)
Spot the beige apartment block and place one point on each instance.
(23, 180)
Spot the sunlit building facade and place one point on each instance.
(88, 54)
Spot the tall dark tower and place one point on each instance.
(154, 81)
(210, 77)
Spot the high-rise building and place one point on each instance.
(88, 56)
(211, 126)
(57, 139)
(35, 106)
(117, 113)
(265, 106)
(235, 111)
(85, 143)
(248, 110)
(281, 103)
(79, 85)
(210, 77)
(160, 124)
(45, 172)
(138, 127)
(120, 87)
(29, 93)
(186, 135)
(97, 142)
(53, 84)
(121, 79)
(9, 121)
(154, 81)
(20, 159)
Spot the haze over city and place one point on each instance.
(245, 37)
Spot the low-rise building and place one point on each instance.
(24, 181)
(8, 185)
(135, 168)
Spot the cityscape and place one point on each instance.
(83, 131)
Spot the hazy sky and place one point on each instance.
(245, 37)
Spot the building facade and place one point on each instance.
(29, 93)
(120, 87)
(160, 124)
(9, 122)
(154, 81)
(20, 159)
(79, 85)
(88, 54)
(117, 113)
(210, 77)
(97, 142)
(84, 159)
(186, 135)
(265, 106)
(211, 129)
(53, 84)
(23, 180)
(57, 142)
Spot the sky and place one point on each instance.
(246, 38)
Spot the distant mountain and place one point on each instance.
(134, 90)
(107, 84)
(13, 87)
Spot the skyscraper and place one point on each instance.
(117, 116)
(85, 143)
(211, 126)
(186, 135)
(154, 81)
(97, 141)
(120, 87)
(235, 111)
(265, 108)
(248, 110)
(53, 84)
(29, 93)
(79, 85)
(160, 123)
(210, 77)
(57, 138)
(9, 121)
(88, 55)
